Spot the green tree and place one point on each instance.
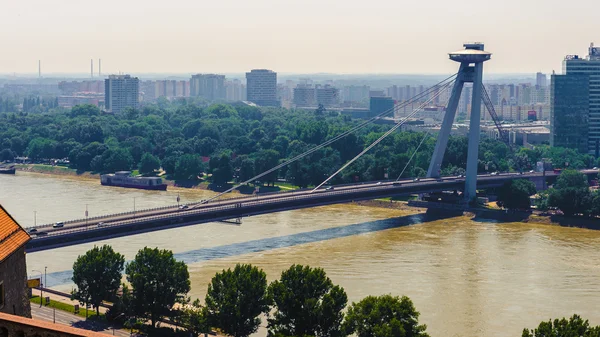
(306, 303)
(571, 193)
(85, 110)
(116, 159)
(194, 318)
(384, 316)
(236, 298)
(97, 275)
(595, 211)
(574, 327)
(188, 166)
(158, 281)
(148, 163)
(266, 160)
(7, 155)
(516, 193)
(222, 171)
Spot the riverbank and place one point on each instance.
(62, 171)
(495, 214)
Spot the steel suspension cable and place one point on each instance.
(381, 138)
(361, 125)
(417, 149)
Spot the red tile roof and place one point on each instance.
(12, 236)
(53, 327)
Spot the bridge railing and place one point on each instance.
(214, 205)
(215, 208)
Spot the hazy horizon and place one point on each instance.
(290, 37)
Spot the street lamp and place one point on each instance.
(113, 328)
(41, 291)
(86, 215)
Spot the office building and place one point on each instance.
(379, 105)
(356, 94)
(121, 91)
(590, 66)
(304, 95)
(208, 86)
(261, 87)
(327, 95)
(569, 110)
(235, 90)
(540, 79)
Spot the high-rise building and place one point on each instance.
(121, 91)
(235, 91)
(356, 94)
(590, 66)
(327, 95)
(262, 87)
(540, 79)
(569, 109)
(304, 95)
(380, 104)
(208, 86)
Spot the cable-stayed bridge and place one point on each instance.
(215, 209)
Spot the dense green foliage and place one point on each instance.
(97, 275)
(516, 193)
(574, 327)
(242, 141)
(306, 303)
(384, 316)
(193, 317)
(158, 281)
(232, 313)
(571, 194)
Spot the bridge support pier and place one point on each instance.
(471, 70)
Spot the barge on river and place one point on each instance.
(7, 169)
(124, 179)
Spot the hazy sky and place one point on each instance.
(303, 36)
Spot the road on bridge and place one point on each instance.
(170, 217)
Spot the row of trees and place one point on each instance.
(571, 194)
(575, 326)
(303, 302)
(243, 141)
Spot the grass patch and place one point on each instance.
(50, 168)
(286, 186)
(64, 307)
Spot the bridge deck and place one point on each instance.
(117, 225)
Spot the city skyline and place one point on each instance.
(358, 38)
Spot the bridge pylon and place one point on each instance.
(470, 71)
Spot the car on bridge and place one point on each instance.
(33, 230)
(183, 207)
(59, 224)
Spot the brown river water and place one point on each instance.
(466, 277)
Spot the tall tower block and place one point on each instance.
(470, 70)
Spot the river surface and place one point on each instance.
(466, 277)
